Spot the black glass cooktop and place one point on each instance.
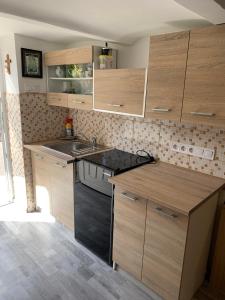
(116, 160)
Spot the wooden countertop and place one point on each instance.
(64, 158)
(174, 187)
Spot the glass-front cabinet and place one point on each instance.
(70, 78)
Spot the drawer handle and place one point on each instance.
(106, 174)
(163, 213)
(124, 194)
(38, 156)
(116, 105)
(57, 164)
(156, 109)
(79, 102)
(204, 114)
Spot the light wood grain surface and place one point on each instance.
(205, 80)
(120, 90)
(174, 187)
(128, 233)
(166, 75)
(84, 102)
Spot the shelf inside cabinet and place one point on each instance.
(72, 78)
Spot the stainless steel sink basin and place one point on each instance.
(72, 147)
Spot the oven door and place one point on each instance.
(93, 210)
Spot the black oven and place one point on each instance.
(94, 209)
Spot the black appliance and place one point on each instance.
(94, 198)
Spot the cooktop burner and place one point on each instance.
(116, 160)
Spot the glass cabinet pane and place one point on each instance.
(72, 79)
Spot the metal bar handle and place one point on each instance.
(106, 174)
(80, 102)
(134, 198)
(163, 213)
(156, 109)
(38, 156)
(59, 165)
(204, 114)
(115, 105)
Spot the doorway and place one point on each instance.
(6, 184)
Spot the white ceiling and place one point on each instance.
(118, 20)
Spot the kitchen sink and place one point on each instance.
(72, 147)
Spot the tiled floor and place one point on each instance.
(40, 260)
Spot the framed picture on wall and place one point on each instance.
(31, 63)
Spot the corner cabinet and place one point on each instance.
(120, 90)
(166, 75)
(204, 94)
(70, 78)
(165, 249)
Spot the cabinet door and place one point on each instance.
(120, 90)
(164, 251)
(204, 96)
(62, 193)
(166, 75)
(69, 56)
(57, 99)
(129, 228)
(84, 102)
(41, 182)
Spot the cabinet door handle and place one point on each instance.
(116, 105)
(156, 109)
(204, 114)
(79, 102)
(132, 198)
(38, 156)
(106, 174)
(57, 164)
(163, 213)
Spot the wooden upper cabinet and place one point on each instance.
(69, 56)
(120, 90)
(166, 75)
(204, 95)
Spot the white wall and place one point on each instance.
(33, 84)
(132, 56)
(7, 46)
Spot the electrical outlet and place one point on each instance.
(208, 154)
(193, 150)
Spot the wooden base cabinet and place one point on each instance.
(53, 185)
(165, 249)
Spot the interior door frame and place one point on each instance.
(5, 136)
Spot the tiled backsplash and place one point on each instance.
(131, 133)
(30, 119)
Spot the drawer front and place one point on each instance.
(120, 90)
(129, 229)
(165, 240)
(57, 99)
(80, 102)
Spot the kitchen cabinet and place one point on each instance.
(53, 185)
(166, 75)
(162, 231)
(84, 102)
(217, 280)
(120, 90)
(68, 56)
(69, 75)
(129, 228)
(204, 92)
(57, 99)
